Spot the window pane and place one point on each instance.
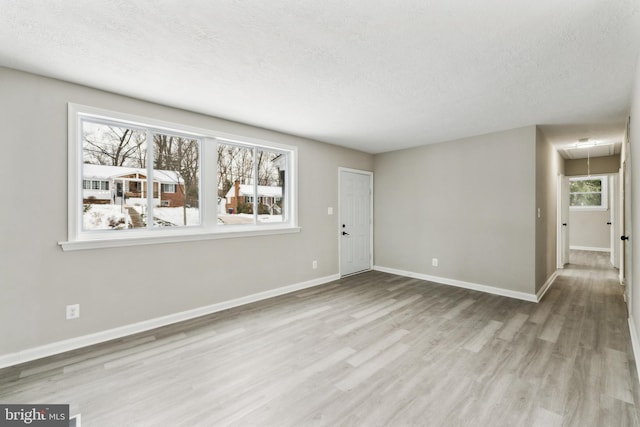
(585, 192)
(585, 186)
(271, 179)
(116, 157)
(235, 185)
(176, 166)
(586, 199)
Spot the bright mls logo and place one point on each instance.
(34, 415)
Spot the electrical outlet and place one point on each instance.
(73, 311)
(314, 264)
(434, 262)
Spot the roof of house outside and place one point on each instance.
(263, 191)
(104, 172)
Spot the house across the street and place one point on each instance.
(103, 184)
(239, 194)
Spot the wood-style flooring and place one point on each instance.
(369, 350)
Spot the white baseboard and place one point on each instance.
(543, 290)
(461, 284)
(635, 343)
(589, 248)
(122, 331)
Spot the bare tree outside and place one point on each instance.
(113, 146)
(182, 156)
(118, 198)
(257, 172)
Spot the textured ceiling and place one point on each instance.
(371, 75)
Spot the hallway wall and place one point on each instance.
(634, 242)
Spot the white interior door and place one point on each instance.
(356, 225)
(563, 221)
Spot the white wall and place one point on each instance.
(113, 286)
(470, 203)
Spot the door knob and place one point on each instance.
(609, 223)
(624, 237)
(344, 233)
(564, 224)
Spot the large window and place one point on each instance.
(251, 180)
(588, 193)
(137, 180)
(135, 162)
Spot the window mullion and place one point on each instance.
(150, 179)
(255, 185)
(209, 182)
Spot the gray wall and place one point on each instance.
(469, 202)
(634, 242)
(590, 229)
(597, 165)
(38, 279)
(549, 165)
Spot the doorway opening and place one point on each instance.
(588, 219)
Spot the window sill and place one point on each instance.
(77, 245)
(588, 208)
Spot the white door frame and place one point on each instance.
(627, 270)
(562, 244)
(614, 231)
(621, 226)
(339, 232)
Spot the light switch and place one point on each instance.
(330, 210)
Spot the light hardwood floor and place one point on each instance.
(368, 350)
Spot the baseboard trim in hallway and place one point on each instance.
(589, 248)
(58, 347)
(635, 343)
(462, 284)
(546, 286)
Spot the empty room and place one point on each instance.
(319, 214)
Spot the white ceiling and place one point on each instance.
(368, 74)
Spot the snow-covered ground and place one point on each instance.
(105, 217)
(176, 215)
(248, 219)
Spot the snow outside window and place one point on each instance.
(253, 181)
(123, 157)
(136, 179)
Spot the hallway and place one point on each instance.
(602, 383)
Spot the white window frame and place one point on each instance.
(604, 199)
(209, 228)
